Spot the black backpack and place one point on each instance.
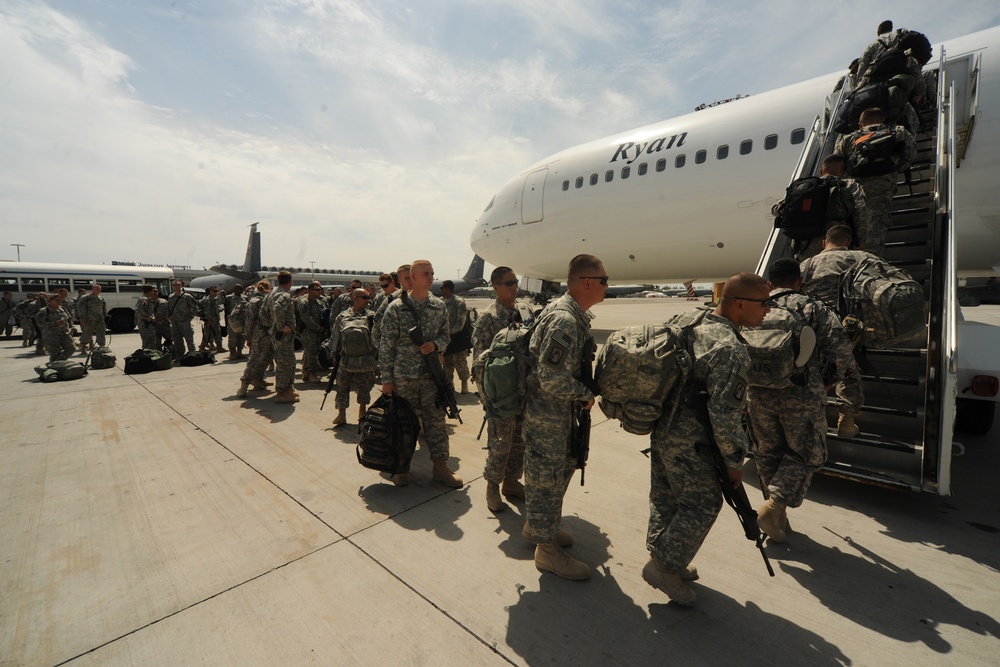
(802, 215)
(388, 435)
(864, 98)
(917, 43)
(872, 154)
(138, 363)
(193, 358)
(887, 65)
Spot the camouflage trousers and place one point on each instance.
(27, 332)
(58, 345)
(457, 361)
(235, 341)
(181, 332)
(90, 329)
(360, 382)
(284, 362)
(211, 334)
(789, 428)
(261, 356)
(873, 228)
(310, 352)
(684, 495)
(505, 450)
(850, 392)
(548, 464)
(147, 334)
(420, 394)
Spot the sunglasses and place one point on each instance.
(365, 297)
(506, 283)
(384, 285)
(767, 303)
(603, 279)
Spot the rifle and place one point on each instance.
(445, 393)
(735, 496)
(332, 381)
(580, 439)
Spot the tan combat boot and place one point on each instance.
(441, 473)
(846, 428)
(551, 558)
(341, 417)
(399, 479)
(493, 500)
(260, 383)
(659, 577)
(242, 391)
(286, 397)
(771, 519)
(512, 489)
(563, 537)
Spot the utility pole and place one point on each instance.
(19, 246)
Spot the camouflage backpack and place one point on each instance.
(886, 299)
(102, 357)
(502, 372)
(61, 370)
(237, 319)
(356, 336)
(780, 348)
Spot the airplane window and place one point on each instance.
(626, 171)
(746, 146)
(770, 142)
(565, 185)
(661, 164)
(700, 156)
(579, 181)
(609, 175)
(799, 135)
(593, 179)
(722, 153)
(643, 168)
(679, 161)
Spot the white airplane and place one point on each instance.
(690, 198)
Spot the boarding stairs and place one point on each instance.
(907, 420)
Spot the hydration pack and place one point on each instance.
(102, 357)
(640, 367)
(873, 154)
(61, 370)
(389, 432)
(886, 299)
(502, 372)
(780, 348)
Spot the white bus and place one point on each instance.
(121, 286)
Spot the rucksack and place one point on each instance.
(779, 348)
(463, 339)
(502, 372)
(356, 336)
(885, 298)
(802, 216)
(851, 107)
(640, 366)
(145, 361)
(102, 357)
(389, 432)
(917, 43)
(889, 63)
(193, 358)
(61, 370)
(237, 320)
(873, 154)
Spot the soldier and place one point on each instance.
(345, 301)
(455, 360)
(211, 329)
(404, 284)
(879, 187)
(901, 73)
(147, 309)
(259, 341)
(7, 316)
(53, 322)
(505, 443)
(350, 342)
(40, 304)
(25, 320)
(181, 309)
(845, 206)
(235, 341)
(684, 494)
(789, 425)
(281, 312)
(312, 331)
(564, 348)
(403, 367)
(388, 283)
(92, 312)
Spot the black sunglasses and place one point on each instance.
(506, 283)
(767, 303)
(603, 279)
(363, 296)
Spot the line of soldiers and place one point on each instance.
(46, 321)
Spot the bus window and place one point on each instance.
(8, 284)
(32, 285)
(162, 285)
(130, 286)
(58, 283)
(108, 285)
(80, 283)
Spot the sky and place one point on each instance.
(360, 135)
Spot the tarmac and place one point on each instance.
(159, 520)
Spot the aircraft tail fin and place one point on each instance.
(251, 263)
(474, 274)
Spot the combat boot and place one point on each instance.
(551, 558)
(512, 489)
(362, 411)
(465, 386)
(341, 417)
(846, 428)
(441, 473)
(286, 397)
(258, 383)
(493, 500)
(563, 537)
(399, 479)
(771, 519)
(659, 577)
(232, 355)
(294, 392)
(242, 391)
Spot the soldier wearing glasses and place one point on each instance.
(312, 331)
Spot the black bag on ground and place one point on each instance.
(139, 362)
(193, 358)
(388, 435)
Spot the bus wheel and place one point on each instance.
(121, 321)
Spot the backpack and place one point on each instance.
(61, 370)
(886, 299)
(145, 361)
(873, 154)
(102, 357)
(851, 107)
(779, 348)
(193, 358)
(324, 318)
(389, 432)
(888, 64)
(803, 213)
(356, 336)
(640, 366)
(917, 43)
(462, 340)
(237, 320)
(502, 372)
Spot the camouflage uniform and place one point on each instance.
(846, 206)
(821, 274)
(379, 315)
(312, 333)
(381, 298)
(354, 373)
(55, 337)
(280, 310)
(38, 306)
(343, 302)
(903, 86)
(684, 496)
(258, 333)
(92, 312)
(456, 361)
(559, 341)
(878, 190)
(789, 425)
(181, 309)
(401, 363)
(145, 312)
(211, 329)
(234, 341)
(25, 317)
(505, 443)
(6, 313)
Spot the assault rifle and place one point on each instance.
(445, 392)
(332, 381)
(580, 439)
(735, 496)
